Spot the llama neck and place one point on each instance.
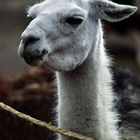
(84, 97)
(77, 103)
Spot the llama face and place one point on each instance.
(57, 35)
(63, 34)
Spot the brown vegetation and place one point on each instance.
(32, 93)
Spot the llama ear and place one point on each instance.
(33, 10)
(111, 11)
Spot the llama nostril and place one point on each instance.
(44, 51)
(30, 40)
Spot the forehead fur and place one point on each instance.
(54, 4)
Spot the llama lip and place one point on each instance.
(34, 60)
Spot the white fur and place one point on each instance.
(84, 80)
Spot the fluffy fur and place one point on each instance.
(78, 55)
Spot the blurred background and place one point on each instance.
(32, 91)
(12, 22)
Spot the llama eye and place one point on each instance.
(30, 18)
(74, 21)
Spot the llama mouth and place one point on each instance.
(34, 60)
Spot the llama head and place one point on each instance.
(63, 33)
